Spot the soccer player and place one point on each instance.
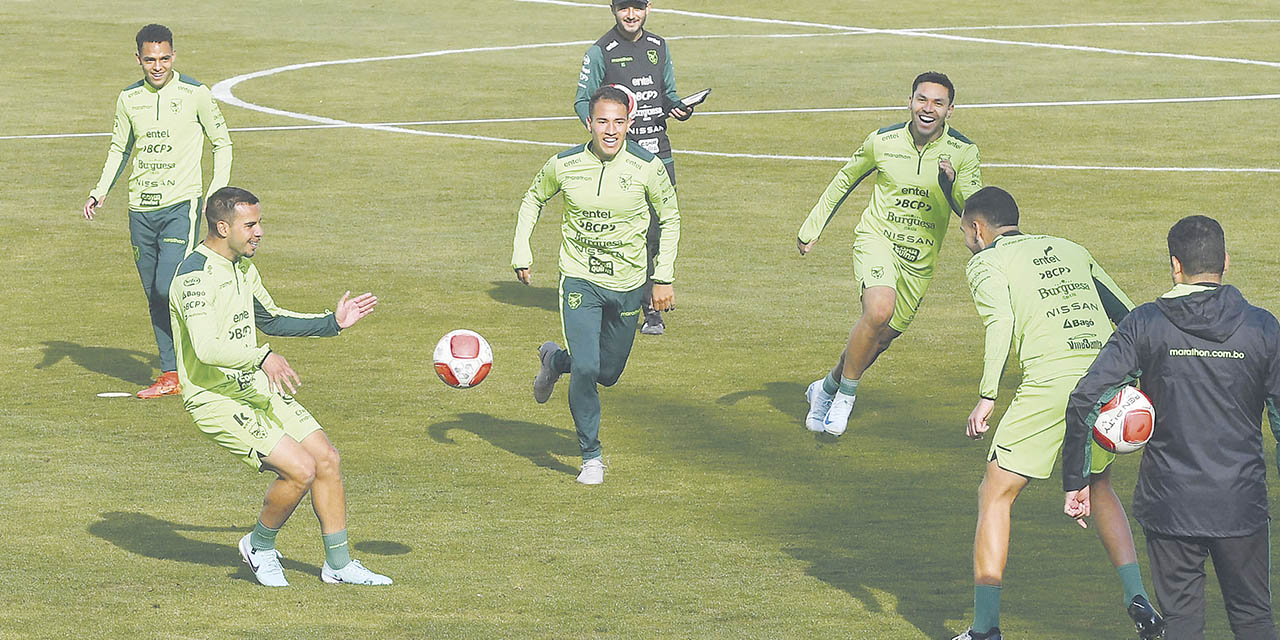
(1048, 298)
(637, 59)
(609, 185)
(1210, 362)
(240, 394)
(924, 171)
(162, 121)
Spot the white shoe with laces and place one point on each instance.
(819, 404)
(592, 472)
(265, 564)
(353, 573)
(837, 419)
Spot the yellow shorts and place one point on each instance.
(250, 430)
(1031, 430)
(876, 265)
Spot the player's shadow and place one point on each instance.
(145, 535)
(886, 537)
(535, 442)
(786, 397)
(123, 364)
(520, 295)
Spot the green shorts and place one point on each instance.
(250, 430)
(876, 265)
(1031, 431)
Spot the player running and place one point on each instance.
(235, 389)
(924, 172)
(162, 121)
(1048, 298)
(609, 185)
(638, 59)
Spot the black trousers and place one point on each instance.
(1243, 566)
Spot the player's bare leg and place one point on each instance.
(996, 495)
(1117, 537)
(295, 470)
(870, 336)
(328, 497)
(295, 474)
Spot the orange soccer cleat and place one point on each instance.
(165, 385)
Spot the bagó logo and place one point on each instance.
(573, 299)
(653, 56)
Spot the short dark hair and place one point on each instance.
(609, 92)
(994, 205)
(154, 33)
(222, 205)
(1199, 244)
(936, 78)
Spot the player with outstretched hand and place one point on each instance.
(609, 185)
(924, 171)
(1050, 300)
(240, 394)
(638, 59)
(162, 121)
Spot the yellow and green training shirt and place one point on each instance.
(164, 131)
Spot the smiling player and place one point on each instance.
(162, 121)
(609, 185)
(924, 171)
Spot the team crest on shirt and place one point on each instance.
(175, 105)
(877, 272)
(574, 299)
(653, 56)
(625, 181)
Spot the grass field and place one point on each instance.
(721, 517)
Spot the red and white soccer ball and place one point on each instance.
(463, 358)
(1125, 423)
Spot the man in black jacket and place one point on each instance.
(1210, 362)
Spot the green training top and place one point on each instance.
(606, 215)
(1048, 300)
(165, 129)
(907, 207)
(214, 305)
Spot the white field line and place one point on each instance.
(223, 91)
(702, 114)
(921, 33)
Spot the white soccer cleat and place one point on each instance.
(353, 573)
(819, 404)
(837, 419)
(265, 564)
(592, 472)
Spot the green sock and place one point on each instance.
(263, 537)
(848, 387)
(830, 385)
(336, 552)
(986, 607)
(1131, 578)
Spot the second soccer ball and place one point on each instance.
(1125, 422)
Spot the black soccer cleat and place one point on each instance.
(1146, 619)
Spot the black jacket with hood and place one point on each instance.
(1210, 362)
